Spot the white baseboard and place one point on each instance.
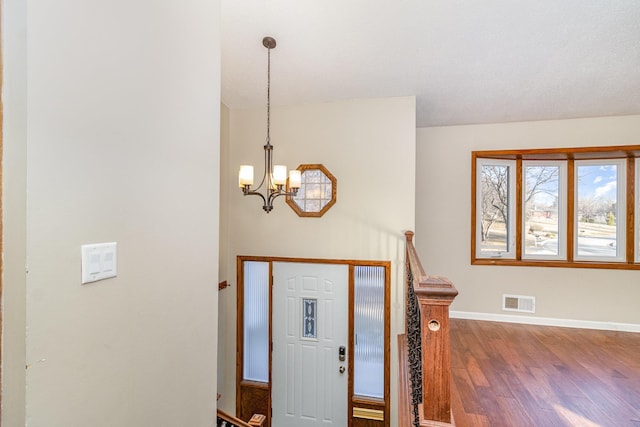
(546, 321)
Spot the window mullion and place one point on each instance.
(631, 216)
(570, 208)
(519, 210)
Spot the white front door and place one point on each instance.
(310, 324)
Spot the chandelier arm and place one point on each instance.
(281, 192)
(268, 165)
(255, 192)
(266, 176)
(274, 194)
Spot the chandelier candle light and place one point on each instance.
(275, 177)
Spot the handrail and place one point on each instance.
(427, 341)
(255, 421)
(424, 284)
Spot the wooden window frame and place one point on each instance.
(334, 191)
(630, 153)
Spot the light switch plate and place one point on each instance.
(99, 261)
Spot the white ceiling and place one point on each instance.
(466, 61)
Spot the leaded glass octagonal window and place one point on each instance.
(317, 192)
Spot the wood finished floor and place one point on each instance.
(517, 375)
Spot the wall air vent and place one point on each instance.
(519, 303)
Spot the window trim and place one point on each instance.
(631, 253)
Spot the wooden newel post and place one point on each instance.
(435, 295)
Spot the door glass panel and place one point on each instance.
(369, 331)
(256, 321)
(309, 320)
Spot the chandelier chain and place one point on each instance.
(273, 184)
(268, 95)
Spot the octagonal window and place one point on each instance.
(317, 192)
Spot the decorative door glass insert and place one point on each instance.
(309, 318)
(317, 191)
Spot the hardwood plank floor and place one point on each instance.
(514, 375)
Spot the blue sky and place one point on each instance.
(597, 181)
(594, 181)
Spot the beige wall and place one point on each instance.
(443, 222)
(226, 306)
(369, 146)
(119, 141)
(14, 219)
(224, 192)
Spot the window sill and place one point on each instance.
(561, 264)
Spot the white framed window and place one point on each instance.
(544, 209)
(600, 210)
(495, 208)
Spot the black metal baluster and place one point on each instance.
(414, 343)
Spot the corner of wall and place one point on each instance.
(14, 193)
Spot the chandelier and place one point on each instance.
(274, 180)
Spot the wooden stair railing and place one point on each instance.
(225, 420)
(424, 350)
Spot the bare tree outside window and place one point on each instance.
(541, 206)
(541, 209)
(495, 207)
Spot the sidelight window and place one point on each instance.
(256, 321)
(369, 286)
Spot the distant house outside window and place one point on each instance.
(557, 207)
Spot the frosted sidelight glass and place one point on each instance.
(369, 331)
(256, 321)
